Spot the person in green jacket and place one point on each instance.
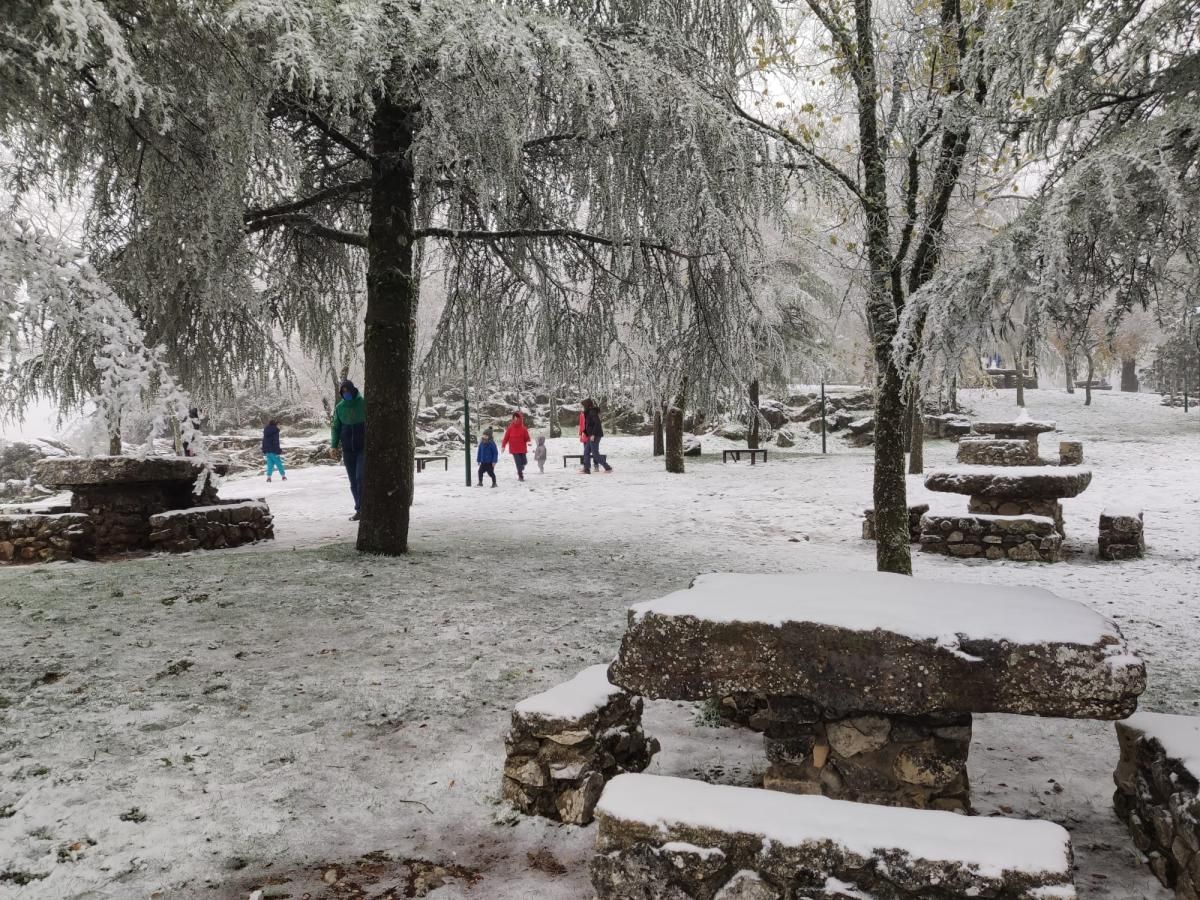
(348, 432)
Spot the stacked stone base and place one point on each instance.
(667, 839)
(211, 527)
(1121, 535)
(1156, 797)
(1022, 538)
(985, 451)
(913, 761)
(1070, 453)
(557, 767)
(1018, 506)
(44, 538)
(915, 512)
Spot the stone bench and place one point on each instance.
(915, 512)
(986, 451)
(229, 524)
(902, 661)
(677, 838)
(1158, 780)
(38, 537)
(1024, 538)
(567, 742)
(1121, 533)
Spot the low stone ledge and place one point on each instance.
(915, 511)
(984, 451)
(676, 838)
(35, 537)
(568, 742)
(1157, 795)
(1023, 538)
(211, 527)
(1122, 533)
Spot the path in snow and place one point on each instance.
(272, 712)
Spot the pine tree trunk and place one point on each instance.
(1129, 378)
(389, 343)
(114, 444)
(884, 302)
(674, 432)
(916, 418)
(659, 444)
(1069, 363)
(1087, 385)
(954, 394)
(1021, 379)
(752, 432)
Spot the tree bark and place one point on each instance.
(659, 444)
(389, 343)
(1087, 385)
(916, 418)
(555, 428)
(1021, 375)
(114, 444)
(884, 302)
(1129, 378)
(1069, 364)
(674, 432)
(752, 431)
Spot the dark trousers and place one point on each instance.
(487, 469)
(522, 460)
(591, 453)
(353, 461)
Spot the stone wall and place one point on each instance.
(1156, 797)
(1070, 453)
(914, 761)
(1047, 508)
(984, 451)
(556, 765)
(1121, 534)
(915, 512)
(675, 839)
(210, 527)
(1023, 538)
(42, 538)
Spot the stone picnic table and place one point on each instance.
(870, 678)
(1013, 490)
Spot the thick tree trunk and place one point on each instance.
(674, 432)
(1129, 378)
(389, 344)
(659, 444)
(1021, 378)
(916, 418)
(752, 432)
(1069, 364)
(1087, 385)
(884, 301)
(954, 394)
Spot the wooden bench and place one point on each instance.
(423, 461)
(674, 837)
(567, 456)
(737, 454)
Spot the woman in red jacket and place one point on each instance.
(516, 441)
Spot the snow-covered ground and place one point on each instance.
(214, 724)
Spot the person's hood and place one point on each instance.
(520, 417)
(541, 442)
(347, 385)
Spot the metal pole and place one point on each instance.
(466, 406)
(822, 416)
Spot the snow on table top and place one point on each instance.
(1123, 509)
(994, 845)
(574, 699)
(1179, 736)
(866, 601)
(241, 504)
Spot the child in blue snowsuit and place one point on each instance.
(487, 455)
(272, 451)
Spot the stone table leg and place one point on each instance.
(913, 761)
(1019, 506)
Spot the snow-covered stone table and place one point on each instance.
(1022, 428)
(871, 678)
(1158, 783)
(567, 742)
(683, 839)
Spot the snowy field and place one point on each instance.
(312, 723)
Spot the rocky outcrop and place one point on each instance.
(1122, 534)
(878, 643)
(685, 840)
(213, 527)
(1022, 538)
(567, 743)
(1156, 796)
(43, 538)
